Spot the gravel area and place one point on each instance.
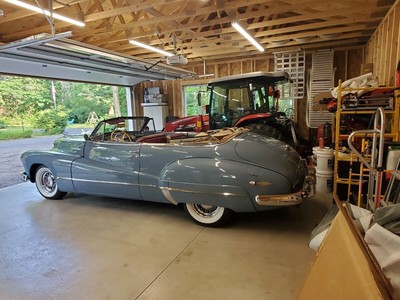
(10, 151)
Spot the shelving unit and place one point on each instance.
(350, 173)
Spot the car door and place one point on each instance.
(108, 168)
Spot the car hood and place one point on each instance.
(272, 154)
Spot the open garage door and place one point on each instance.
(57, 57)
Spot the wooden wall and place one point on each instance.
(383, 48)
(347, 63)
(173, 89)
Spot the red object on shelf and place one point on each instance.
(398, 74)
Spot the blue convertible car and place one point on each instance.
(211, 174)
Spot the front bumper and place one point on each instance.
(288, 199)
(25, 177)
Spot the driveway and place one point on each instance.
(10, 151)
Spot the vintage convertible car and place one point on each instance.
(211, 174)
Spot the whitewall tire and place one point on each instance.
(47, 185)
(208, 215)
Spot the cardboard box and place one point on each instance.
(344, 267)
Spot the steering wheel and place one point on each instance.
(120, 136)
(231, 114)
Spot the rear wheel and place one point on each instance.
(209, 215)
(47, 185)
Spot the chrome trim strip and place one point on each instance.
(109, 182)
(259, 183)
(202, 193)
(165, 191)
(63, 178)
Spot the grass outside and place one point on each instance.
(17, 132)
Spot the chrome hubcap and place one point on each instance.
(206, 210)
(48, 182)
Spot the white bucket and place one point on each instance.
(324, 182)
(392, 159)
(323, 160)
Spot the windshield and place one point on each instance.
(230, 101)
(133, 124)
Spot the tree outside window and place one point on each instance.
(190, 99)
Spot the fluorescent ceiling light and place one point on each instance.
(46, 12)
(151, 48)
(247, 36)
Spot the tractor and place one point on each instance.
(249, 100)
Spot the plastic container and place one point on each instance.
(392, 159)
(323, 160)
(324, 182)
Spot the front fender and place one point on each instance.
(58, 163)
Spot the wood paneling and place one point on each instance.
(383, 48)
(347, 64)
(354, 62)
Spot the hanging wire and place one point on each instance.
(50, 19)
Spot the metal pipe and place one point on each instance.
(375, 169)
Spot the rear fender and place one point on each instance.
(205, 181)
(216, 182)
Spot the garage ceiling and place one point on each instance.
(203, 28)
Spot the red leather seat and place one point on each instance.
(153, 138)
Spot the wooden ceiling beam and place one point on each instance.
(252, 26)
(317, 16)
(24, 13)
(206, 10)
(138, 6)
(203, 28)
(238, 46)
(154, 21)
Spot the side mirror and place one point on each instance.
(86, 137)
(199, 98)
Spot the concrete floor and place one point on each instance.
(88, 247)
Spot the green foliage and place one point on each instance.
(122, 101)
(9, 134)
(22, 96)
(192, 107)
(81, 99)
(52, 121)
(3, 124)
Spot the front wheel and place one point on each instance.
(47, 185)
(209, 215)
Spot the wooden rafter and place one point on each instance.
(203, 28)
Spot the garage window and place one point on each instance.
(190, 99)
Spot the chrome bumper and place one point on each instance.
(288, 199)
(25, 177)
